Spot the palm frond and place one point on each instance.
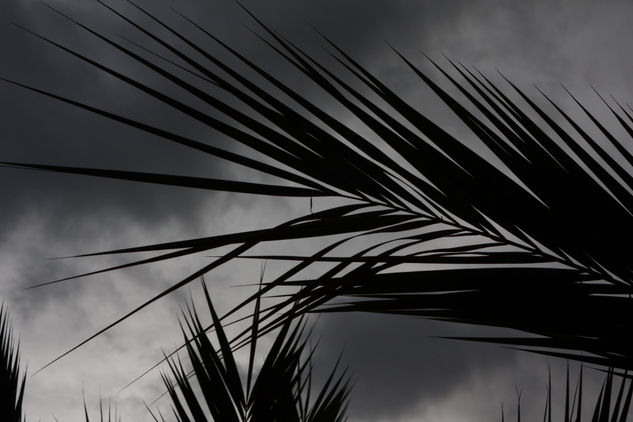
(104, 415)
(612, 404)
(278, 392)
(536, 224)
(11, 382)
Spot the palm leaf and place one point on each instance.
(541, 216)
(604, 410)
(11, 383)
(277, 393)
(105, 415)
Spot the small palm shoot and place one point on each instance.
(11, 383)
(279, 392)
(605, 410)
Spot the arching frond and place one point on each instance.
(528, 234)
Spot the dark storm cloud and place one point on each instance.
(575, 42)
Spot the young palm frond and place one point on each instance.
(108, 415)
(11, 383)
(609, 407)
(541, 241)
(279, 392)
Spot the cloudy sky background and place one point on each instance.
(400, 374)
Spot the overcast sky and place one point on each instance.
(400, 374)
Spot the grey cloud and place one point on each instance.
(577, 43)
(398, 368)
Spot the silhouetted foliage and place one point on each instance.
(547, 230)
(280, 391)
(105, 415)
(527, 237)
(609, 407)
(11, 382)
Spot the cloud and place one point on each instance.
(398, 370)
